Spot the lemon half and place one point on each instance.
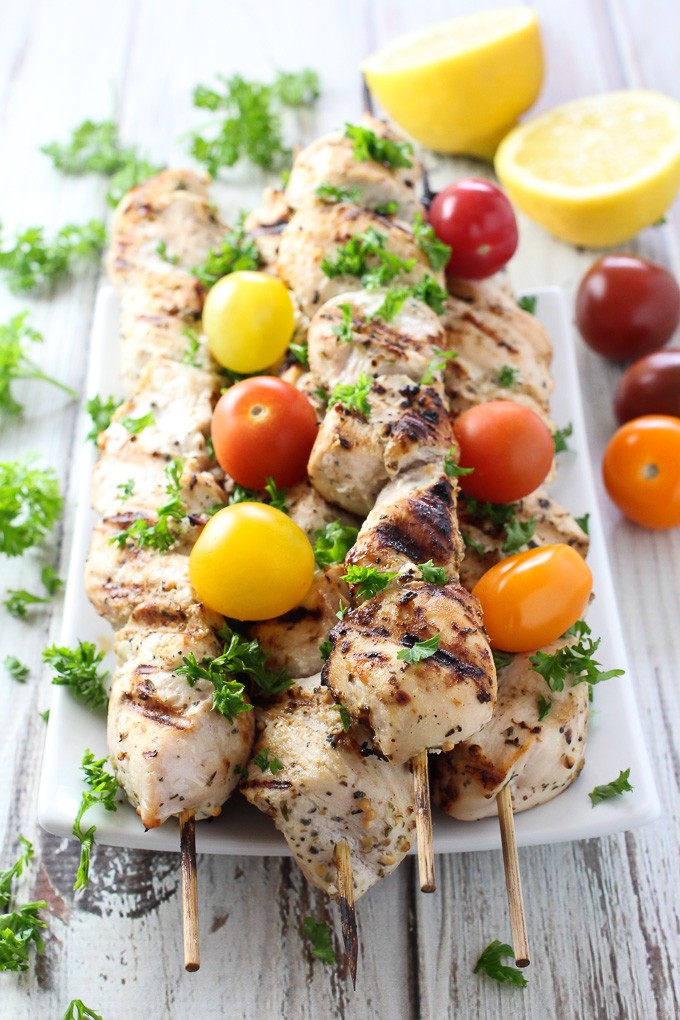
(596, 171)
(461, 85)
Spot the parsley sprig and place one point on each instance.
(30, 504)
(103, 788)
(18, 600)
(436, 252)
(617, 787)
(575, 663)
(77, 1010)
(16, 364)
(101, 412)
(490, 963)
(268, 762)
(31, 260)
(161, 535)
(319, 937)
(507, 376)
(20, 926)
(366, 256)
(78, 668)
(419, 650)
(369, 146)
(368, 580)
(333, 542)
(16, 669)
(432, 574)
(250, 119)
(237, 252)
(354, 396)
(560, 437)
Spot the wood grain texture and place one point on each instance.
(603, 915)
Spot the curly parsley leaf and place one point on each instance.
(575, 663)
(19, 925)
(544, 706)
(560, 437)
(297, 88)
(30, 504)
(490, 963)
(32, 261)
(452, 468)
(52, 583)
(420, 650)
(101, 412)
(319, 936)
(78, 668)
(277, 496)
(501, 659)
(354, 396)
(77, 1010)
(325, 649)
(437, 363)
(614, 789)
(436, 252)
(528, 303)
(228, 695)
(508, 376)
(368, 580)
(333, 542)
(16, 364)
(392, 304)
(432, 574)
(430, 293)
(237, 252)
(301, 353)
(517, 534)
(369, 146)
(16, 669)
(18, 600)
(103, 788)
(366, 256)
(268, 762)
(332, 195)
(239, 658)
(159, 535)
(497, 514)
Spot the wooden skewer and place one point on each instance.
(513, 882)
(187, 830)
(348, 917)
(421, 782)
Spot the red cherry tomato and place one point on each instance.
(641, 470)
(475, 218)
(263, 428)
(509, 448)
(650, 386)
(627, 306)
(529, 600)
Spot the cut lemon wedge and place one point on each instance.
(460, 86)
(596, 171)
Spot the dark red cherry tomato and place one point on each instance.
(627, 306)
(475, 218)
(650, 386)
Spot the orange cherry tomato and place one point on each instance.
(641, 470)
(530, 599)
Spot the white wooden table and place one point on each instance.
(604, 914)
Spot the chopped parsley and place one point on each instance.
(319, 937)
(268, 762)
(31, 260)
(136, 425)
(192, 348)
(343, 330)
(163, 253)
(614, 789)
(436, 252)
(15, 363)
(544, 706)
(470, 543)
(501, 659)
(101, 412)
(237, 252)
(333, 542)
(508, 376)
(583, 523)
(430, 293)
(437, 363)
(387, 209)
(277, 497)
(575, 663)
(17, 670)
(240, 494)
(18, 600)
(528, 303)
(239, 658)
(228, 695)
(77, 1010)
(103, 788)
(392, 304)
(296, 89)
(490, 963)
(78, 668)
(125, 489)
(453, 469)
(432, 574)
(369, 146)
(368, 580)
(52, 583)
(161, 535)
(365, 256)
(30, 504)
(301, 353)
(325, 649)
(517, 534)
(20, 926)
(420, 650)
(560, 437)
(329, 193)
(345, 717)
(354, 396)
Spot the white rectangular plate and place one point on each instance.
(614, 741)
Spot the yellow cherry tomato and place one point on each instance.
(530, 599)
(248, 318)
(251, 562)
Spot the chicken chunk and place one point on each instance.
(139, 481)
(432, 703)
(329, 789)
(316, 232)
(265, 225)
(170, 750)
(406, 345)
(312, 512)
(354, 455)
(330, 160)
(538, 758)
